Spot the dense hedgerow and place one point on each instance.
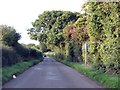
(103, 24)
(12, 51)
(12, 55)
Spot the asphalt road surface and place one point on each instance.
(51, 74)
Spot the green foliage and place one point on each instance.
(12, 51)
(99, 26)
(9, 35)
(43, 47)
(103, 25)
(21, 50)
(18, 68)
(50, 54)
(69, 51)
(65, 33)
(81, 24)
(12, 55)
(72, 43)
(109, 81)
(9, 56)
(48, 28)
(35, 53)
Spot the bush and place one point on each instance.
(22, 50)
(9, 56)
(12, 55)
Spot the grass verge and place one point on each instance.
(18, 68)
(109, 81)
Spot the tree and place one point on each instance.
(43, 47)
(9, 35)
(48, 28)
(81, 25)
(72, 43)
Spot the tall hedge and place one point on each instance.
(12, 51)
(103, 24)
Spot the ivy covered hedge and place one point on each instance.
(103, 24)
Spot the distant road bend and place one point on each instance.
(51, 74)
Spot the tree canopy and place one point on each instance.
(9, 35)
(49, 26)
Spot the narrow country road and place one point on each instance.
(51, 74)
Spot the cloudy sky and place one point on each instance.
(20, 13)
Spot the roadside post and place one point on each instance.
(86, 51)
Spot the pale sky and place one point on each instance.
(20, 13)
